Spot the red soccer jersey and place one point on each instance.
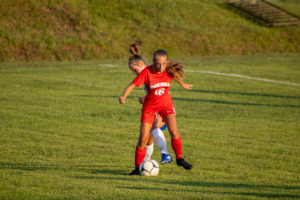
(157, 85)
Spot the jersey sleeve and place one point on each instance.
(140, 79)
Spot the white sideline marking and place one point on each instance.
(107, 65)
(245, 77)
(231, 75)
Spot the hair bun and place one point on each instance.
(135, 47)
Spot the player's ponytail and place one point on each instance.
(135, 50)
(176, 69)
(135, 47)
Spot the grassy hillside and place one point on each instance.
(74, 29)
(63, 134)
(292, 6)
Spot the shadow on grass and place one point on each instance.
(106, 97)
(109, 97)
(236, 103)
(231, 185)
(268, 195)
(195, 183)
(213, 92)
(242, 93)
(211, 101)
(100, 172)
(92, 169)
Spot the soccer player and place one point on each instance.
(136, 64)
(157, 79)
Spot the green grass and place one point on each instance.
(290, 5)
(85, 30)
(63, 134)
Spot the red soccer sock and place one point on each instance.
(139, 156)
(177, 147)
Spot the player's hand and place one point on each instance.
(187, 86)
(122, 100)
(141, 100)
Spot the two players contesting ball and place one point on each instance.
(136, 64)
(157, 80)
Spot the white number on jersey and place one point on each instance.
(160, 91)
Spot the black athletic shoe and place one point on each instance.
(184, 164)
(135, 172)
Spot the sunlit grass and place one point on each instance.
(63, 134)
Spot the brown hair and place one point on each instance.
(160, 52)
(135, 49)
(176, 69)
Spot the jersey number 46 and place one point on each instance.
(160, 91)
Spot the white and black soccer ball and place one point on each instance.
(149, 168)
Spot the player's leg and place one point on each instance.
(176, 141)
(149, 148)
(160, 140)
(146, 125)
(147, 121)
(140, 150)
(160, 123)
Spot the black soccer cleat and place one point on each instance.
(136, 171)
(183, 163)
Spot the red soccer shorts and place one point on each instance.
(149, 114)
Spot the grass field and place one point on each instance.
(63, 134)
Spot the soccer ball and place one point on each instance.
(149, 168)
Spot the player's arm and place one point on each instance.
(126, 92)
(184, 85)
